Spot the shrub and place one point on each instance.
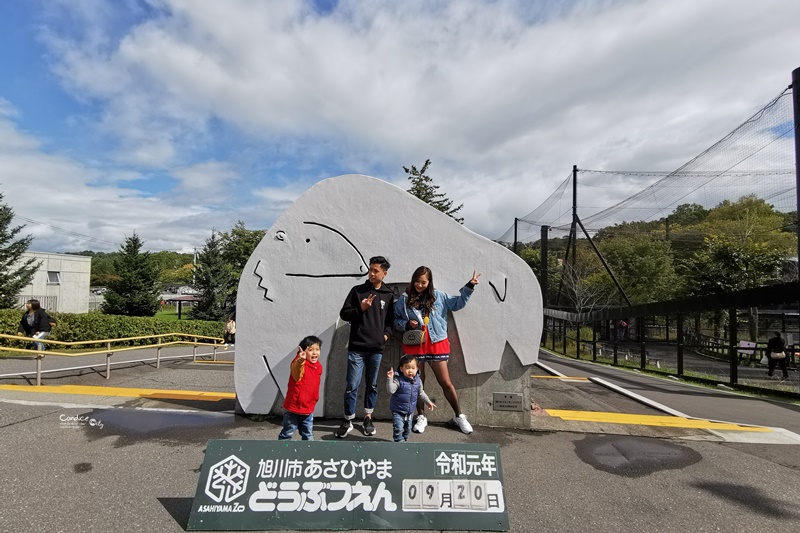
(96, 325)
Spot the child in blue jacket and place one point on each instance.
(406, 389)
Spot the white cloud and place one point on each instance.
(207, 182)
(504, 101)
(55, 190)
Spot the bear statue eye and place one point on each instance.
(280, 235)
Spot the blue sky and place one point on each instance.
(173, 117)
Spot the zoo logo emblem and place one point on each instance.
(227, 479)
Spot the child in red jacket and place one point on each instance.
(302, 392)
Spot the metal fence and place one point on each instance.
(47, 302)
(669, 338)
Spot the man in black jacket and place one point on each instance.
(369, 309)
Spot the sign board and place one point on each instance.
(280, 485)
(507, 401)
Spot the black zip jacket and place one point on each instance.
(41, 322)
(367, 328)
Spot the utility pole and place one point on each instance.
(543, 268)
(515, 234)
(194, 265)
(574, 213)
(796, 102)
(796, 106)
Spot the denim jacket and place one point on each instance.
(437, 323)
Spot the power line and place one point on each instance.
(66, 231)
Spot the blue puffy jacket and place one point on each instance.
(437, 324)
(404, 400)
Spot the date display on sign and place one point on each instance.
(453, 495)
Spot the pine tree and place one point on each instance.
(423, 188)
(136, 292)
(13, 275)
(214, 281)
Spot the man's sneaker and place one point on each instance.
(369, 427)
(463, 425)
(344, 429)
(420, 424)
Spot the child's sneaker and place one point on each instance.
(420, 424)
(344, 429)
(369, 427)
(463, 425)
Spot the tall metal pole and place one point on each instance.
(796, 106)
(733, 344)
(515, 234)
(796, 101)
(574, 212)
(543, 244)
(680, 344)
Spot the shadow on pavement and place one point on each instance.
(749, 497)
(179, 509)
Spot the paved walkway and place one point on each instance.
(665, 356)
(137, 469)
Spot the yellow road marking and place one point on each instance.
(649, 420)
(560, 377)
(124, 392)
(213, 362)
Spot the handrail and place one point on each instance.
(109, 351)
(121, 339)
(98, 352)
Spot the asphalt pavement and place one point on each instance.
(137, 467)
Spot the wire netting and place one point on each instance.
(756, 158)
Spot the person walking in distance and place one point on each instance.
(776, 355)
(36, 323)
(369, 310)
(229, 335)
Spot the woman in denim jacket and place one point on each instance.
(423, 307)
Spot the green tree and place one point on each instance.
(688, 214)
(176, 276)
(422, 187)
(136, 292)
(214, 281)
(172, 267)
(14, 275)
(532, 256)
(103, 270)
(743, 246)
(643, 266)
(724, 267)
(237, 247)
(745, 242)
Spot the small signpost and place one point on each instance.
(278, 485)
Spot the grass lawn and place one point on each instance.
(170, 312)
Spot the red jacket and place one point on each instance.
(303, 390)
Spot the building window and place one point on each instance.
(53, 278)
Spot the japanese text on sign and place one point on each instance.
(466, 464)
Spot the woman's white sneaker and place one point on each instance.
(463, 425)
(420, 424)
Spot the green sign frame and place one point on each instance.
(248, 485)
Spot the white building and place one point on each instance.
(61, 284)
